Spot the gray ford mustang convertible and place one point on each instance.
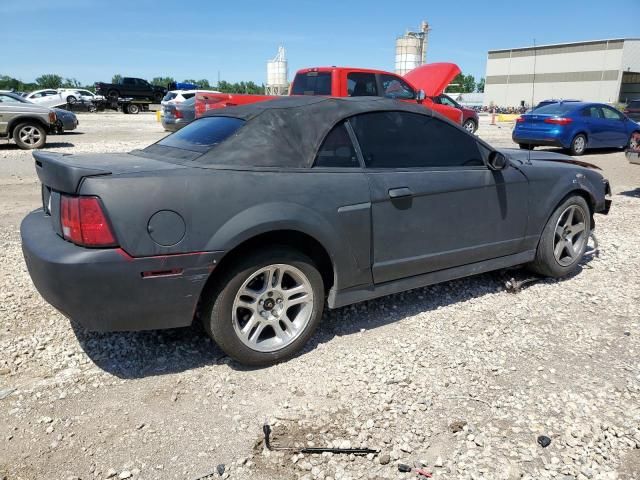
(251, 218)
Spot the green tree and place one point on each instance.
(480, 85)
(161, 81)
(71, 83)
(462, 84)
(49, 80)
(117, 78)
(204, 84)
(189, 81)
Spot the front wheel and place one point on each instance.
(470, 126)
(29, 136)
(133, 109)
(564, 238)
(266, 307)
(71, 99)
(578, 145)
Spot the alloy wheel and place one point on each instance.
(570, 235)
(30, 135)
(272, 307)
(579, 144)
(469, 126)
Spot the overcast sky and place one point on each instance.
(91, 40)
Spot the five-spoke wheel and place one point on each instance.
(265, 306)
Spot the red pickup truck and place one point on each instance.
(419, 85)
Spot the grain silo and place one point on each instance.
(411, 49)
(277, 73)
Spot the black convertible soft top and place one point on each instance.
(287, 132)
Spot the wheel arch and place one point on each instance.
(14, 122)
(294, 239)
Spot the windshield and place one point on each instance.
(203, 134)
(312, 83)
(555, 109)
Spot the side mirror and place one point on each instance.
(420, 95)
(497, 161)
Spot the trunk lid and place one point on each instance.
(433, 78)
(64, 172)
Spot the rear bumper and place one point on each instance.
(539, 138)
(105, 289)
(173, 125)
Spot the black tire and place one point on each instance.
(633, 142)
(545, 262)
(526, 146)
(29, 135)
(157, 97)
(218, 304)
(470, 126)
(133, 109)
(113, 94)
(578, 145)
(71, 99)
(92, 108)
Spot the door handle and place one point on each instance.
(400, 192)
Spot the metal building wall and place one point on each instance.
(583, 71)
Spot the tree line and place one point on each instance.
(461, 84)
(52, 80)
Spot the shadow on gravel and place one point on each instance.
(129, 355)
(48, 145)
(145, 354)
(632, 193)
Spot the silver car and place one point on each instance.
(28, 124)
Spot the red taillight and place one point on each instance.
(558, 120)
(84, 222)
(177, 113)
(52, 117)
(520, 120)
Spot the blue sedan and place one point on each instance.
(574, 126)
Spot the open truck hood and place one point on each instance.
(433, 78)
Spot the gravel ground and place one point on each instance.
(462, 376)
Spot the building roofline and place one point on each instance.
(584, 42)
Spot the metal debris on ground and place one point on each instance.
(457, 426)
(266, 428)
(544, 441)
(420, 472)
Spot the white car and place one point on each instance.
(46, 98)
(73, 95)
(178, 96)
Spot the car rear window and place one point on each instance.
(169, 96)
(186, 96)
(203, 134)
(312, 83)
(556, 109)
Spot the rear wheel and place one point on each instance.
(157, 97)
(578, 145)
(564, 238)
(133, 109)
(265, 308)
(526, 146)
(29, 136)
(71, 99)
(113, 94)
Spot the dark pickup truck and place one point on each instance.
(131, 87)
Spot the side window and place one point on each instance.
(128, 81)
(395, 87)
(337, 150)
(411, 140)
(361, 84)
(611, 114)
(447, 101)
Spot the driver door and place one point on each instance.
(435, 204)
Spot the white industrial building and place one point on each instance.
(601, 71)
